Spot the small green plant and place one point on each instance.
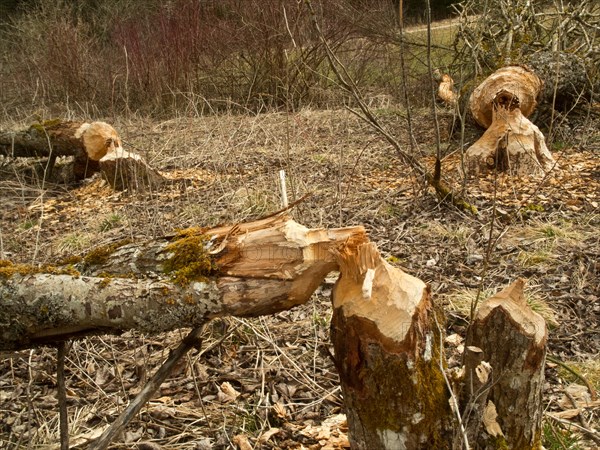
(74, 243)
(535, 257)
(555, 438)
(28, 224)
(109, 222)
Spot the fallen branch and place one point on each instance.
(189, 342)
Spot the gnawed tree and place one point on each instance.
(446, 91)
(95, 147)
(386, 331)
(511, 339)
(511, 143)
(387, 338)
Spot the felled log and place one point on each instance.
(86, 142)
(511, 143)
(95, 147)
(512, 339)
(387, 339)
(182, 280)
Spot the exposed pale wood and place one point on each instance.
(511, 143)
(520, 82)
(387, 352)
(446, 92)
(262, 267)
(513, 339)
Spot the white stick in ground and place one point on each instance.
(284, 198)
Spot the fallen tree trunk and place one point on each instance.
(95, 147)
(182, 280)
(86, 142)
(511, 142)
(388, 352)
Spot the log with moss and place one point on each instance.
(182, 280)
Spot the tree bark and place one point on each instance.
(180, 281)
(387, 340)
(513, 340)
(511, 142)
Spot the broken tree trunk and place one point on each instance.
(387, 338)
(183, 280)
(86, 142)
(94, 147)
(507, 388)
(511, 142)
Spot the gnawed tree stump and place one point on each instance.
(388, 354)
(129, 171)
(446, 92)
(180, 281)
(94, 146)
(512, 339)
(511, 142)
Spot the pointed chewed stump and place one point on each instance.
(387, 334)
(504, 372)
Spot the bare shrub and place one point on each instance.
(54, 58)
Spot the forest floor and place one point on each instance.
(270, 381)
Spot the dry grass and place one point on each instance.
(280, 365)
(460, 302)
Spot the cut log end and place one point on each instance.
(519, 81)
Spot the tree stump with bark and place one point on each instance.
(508, 344)
(511, 143)
(387, 338)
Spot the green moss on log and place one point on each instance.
(41, 127)
(189, 259)
(8, 269)
(99, 255)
